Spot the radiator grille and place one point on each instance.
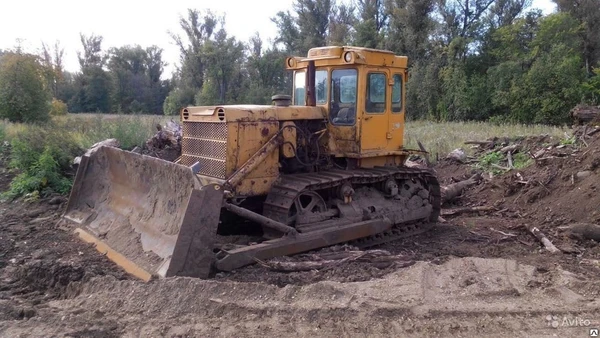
(206, 143)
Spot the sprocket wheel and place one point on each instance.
(306, 203)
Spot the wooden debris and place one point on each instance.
(414, 164)
(480, 143)
(457, 155)
(504, 233)
(510, 160)
(377, 258)
(593, 132)
(585, 113)
(457, 211)
(427, 162)
(583, 174)
(543, 239)
(167, 136)
(500, 167)
(511, 148)
(451, 191)
(539, 153)
(584, 231)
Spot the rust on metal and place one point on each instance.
(255, 160)
(114, 256)
(260, 219)
(193, 253)
(137, 205)
(238, 258)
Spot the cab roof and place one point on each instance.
(344, 55)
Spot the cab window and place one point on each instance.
(397, 94)
(299, 90)
(342, 109)
(320, 87)
(376, 93)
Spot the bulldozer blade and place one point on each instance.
(150, 216)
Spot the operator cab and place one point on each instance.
(361, 89)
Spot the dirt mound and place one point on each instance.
(37, 259)
(559, 187)
(467, 296)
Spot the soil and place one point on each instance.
(474, 274)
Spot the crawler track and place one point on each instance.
(283, 194)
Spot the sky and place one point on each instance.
(130, 22)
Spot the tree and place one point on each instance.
(223, 56)
(198, 28)
(588, 13)
(265, 73)
(306, 28)
(53, 62)
(289, 34)
(189, 78)
(24, 96)
(341, 25)
(373, 19)
(92, 85)
(136, 77)
(409, 27)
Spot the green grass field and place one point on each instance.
(442, 138)
(42, 155)
(134, 130)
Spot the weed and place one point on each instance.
(58, 108)
(521, 161)
(568, 141)
(490, 161)
(42, 155)
(491, 158)
(42, 178)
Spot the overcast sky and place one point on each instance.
(123, 22)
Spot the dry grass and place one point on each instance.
(442, 138)
(87, 129)
(132, 130)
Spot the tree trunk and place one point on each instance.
(451, 191)
(583, 113)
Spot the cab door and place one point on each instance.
(374, 110)
(397, 109)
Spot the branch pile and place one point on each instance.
(584, 114)
(168, 136)
(166, 143)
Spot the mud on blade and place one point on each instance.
(148, 215)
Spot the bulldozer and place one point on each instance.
(323, 166)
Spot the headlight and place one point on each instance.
(348, 56)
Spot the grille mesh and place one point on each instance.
(206, 143)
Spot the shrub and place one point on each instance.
(58, 108)
(177, 99)
(24, 96)
(42, 178)
(42, 158)
(591, 88)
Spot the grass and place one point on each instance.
(41, 155)
(441, 138)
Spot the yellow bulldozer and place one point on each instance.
(323, 166)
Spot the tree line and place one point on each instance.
(487, 60)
